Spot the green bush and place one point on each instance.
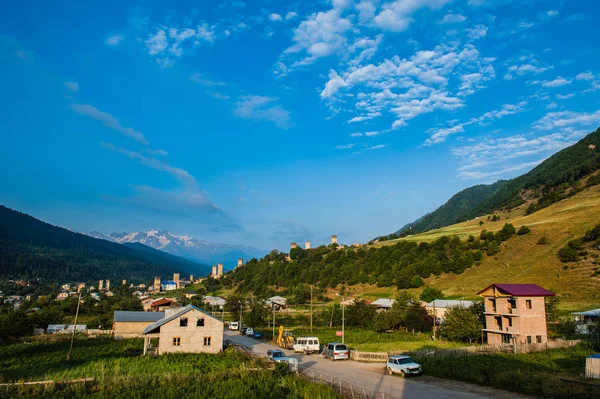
(523, 230)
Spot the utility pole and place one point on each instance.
(74, 327)
(434, 320)
(343, 319)
(273, 308)
(311, 308)
(241, 318)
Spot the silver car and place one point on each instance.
(403, 365)
(277, 356)
(336, 351)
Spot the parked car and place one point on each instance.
(403, 365)
(243, 330)
(234, 325)
(258, 335)
(277, 356)
(336, 351)
(307, 345)
(249, 332)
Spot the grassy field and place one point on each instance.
(121, 372)
(371, 341)
(522, 260)
(536, 374)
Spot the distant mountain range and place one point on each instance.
(30, 249)
(552, 180)
(186, 247)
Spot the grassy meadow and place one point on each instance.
(538, 374)
(522, 260)
(120, 371)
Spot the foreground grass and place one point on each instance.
(120, 372)
(536, 374)
(372, 341)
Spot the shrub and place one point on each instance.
(429, 294)
(543, 240)
(523, 230)
(593, 234)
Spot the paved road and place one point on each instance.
(373, 377)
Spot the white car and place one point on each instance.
(250, 332)
(277, 356)
(307, 345)
(234, 325)
(403, 365)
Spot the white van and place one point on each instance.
(233, 325)
(307, 345)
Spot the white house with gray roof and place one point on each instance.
(185, 330)
(439, 307)
(383, 303)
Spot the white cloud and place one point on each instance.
(377, 147)
(356, 134)
(453, 18)
(109, 121)
(262, 108)
(218, 96)
(565, 96)
(552, 13)
(160, 152)
(165, 62)
(275, 17)
(477, 32)
(563, 119)
(174, 41)
(527, 69)
(290, 15)
(372, 134)
(397, 15)
(345, 147)
(201, 79)
(157, 43)
(585, 76)
(559, 81)
(525, 25)
(72, 86)
(114, 40)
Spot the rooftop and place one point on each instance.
(152, 327)
(520, 290)
(384, 303)
(133, 316)
(449, 303)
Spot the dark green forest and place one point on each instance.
(32, 249)
(403, 265)
(554, 179)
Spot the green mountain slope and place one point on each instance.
(552, 180)
(30, 248)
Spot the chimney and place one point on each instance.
(191, 278)
(107, 285)
(214, 270)
(100, 285)
(124, 282)
(176, 279)
(156, 284)
(240, 262)
(307, 245)
(334, 239)
(220, 269)
(293, 245)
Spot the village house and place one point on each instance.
(62, 296)
(187, 329)
(277, 302)
(214, 301)
(168, 286)
(161, 305)
(585, 320)
(131, 324)
(189, 294)
(515, 313)
(439, 307)
(383, 303)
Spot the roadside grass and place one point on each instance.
(120, 371)
(523, 260)
(536, 374)
(372, 341)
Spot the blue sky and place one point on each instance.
(265, 122)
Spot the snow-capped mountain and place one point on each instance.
(186, 246)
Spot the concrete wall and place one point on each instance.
(526, 322)
(192, 337)
(129, 329)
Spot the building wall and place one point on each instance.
(526, 322)
(191, 337)
(129, 329)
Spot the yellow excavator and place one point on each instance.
(285, 339)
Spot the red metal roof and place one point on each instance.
(161, 302)
(521, 289)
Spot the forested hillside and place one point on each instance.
(30, 248)
(403, 265)
(554, 179)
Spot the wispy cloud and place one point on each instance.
(114, 40)
(563, 119)
(201, 79)
(72, 86)
(262, 108)
(109, 121)
(169, 43)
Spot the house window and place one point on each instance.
(207, 341)
(505, 339)
(528, 303)
(538, 339)
(510, 321)
(529, 340)
(176, 341)
(183, 322)
(512, 303)
(200, 323)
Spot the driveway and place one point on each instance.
(372, 377)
